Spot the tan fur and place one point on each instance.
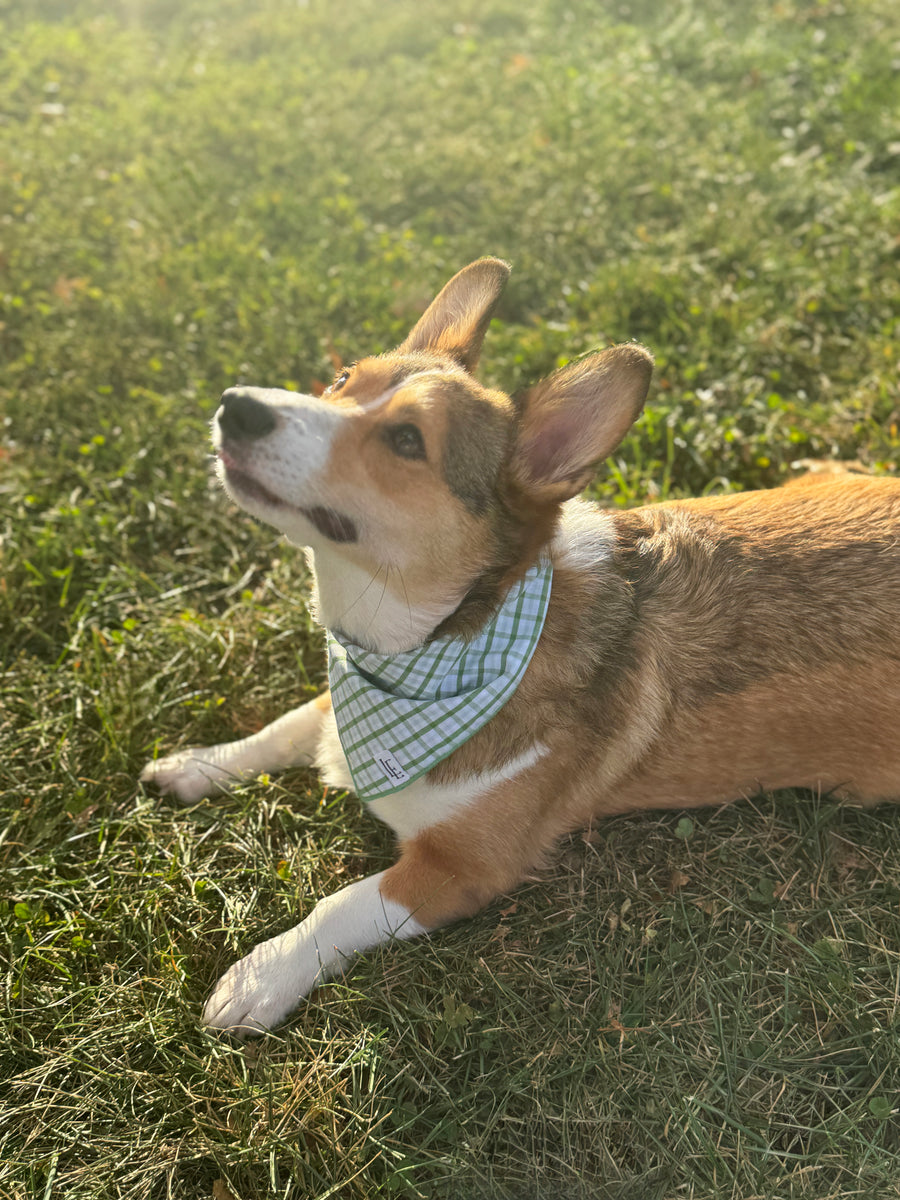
(832, 730)
(644, 699)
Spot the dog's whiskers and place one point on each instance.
(362, 596)
(387, 575)
(405, 593)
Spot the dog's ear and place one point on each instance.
(456, 320)
(571, 421)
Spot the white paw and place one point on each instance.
(190, 774)
(262, 989)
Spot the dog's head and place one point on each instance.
(411, 474)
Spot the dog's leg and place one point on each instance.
(449, 870)
(262, 989)
(204, 770)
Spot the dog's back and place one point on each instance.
(703, 650)
(775, 619)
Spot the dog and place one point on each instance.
(508, 662)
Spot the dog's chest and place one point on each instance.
(421, 804)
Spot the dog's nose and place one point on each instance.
(242, 417)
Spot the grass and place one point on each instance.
(203, 193)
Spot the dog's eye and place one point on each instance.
(405, 441)
(340, 381)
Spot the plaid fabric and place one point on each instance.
(399, 715)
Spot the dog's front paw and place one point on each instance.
(262, 989)
(189, 775)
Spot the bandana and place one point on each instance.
(399, 715)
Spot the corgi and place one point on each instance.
(509, 662)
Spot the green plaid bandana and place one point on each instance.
(399, 715)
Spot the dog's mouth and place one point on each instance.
(334, 525)
(247, 485)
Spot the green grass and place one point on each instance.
(201, 193)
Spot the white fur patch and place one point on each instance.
(381, 400)
(421, 804)
(424, 804)
(330, 760)
(584, 538)
(371, 609)
(263, 988)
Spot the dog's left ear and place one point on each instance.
(457, 319)
(571, 421)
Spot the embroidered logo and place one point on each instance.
(390, 768)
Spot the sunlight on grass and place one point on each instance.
(199, 194)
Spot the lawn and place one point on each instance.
(201, 193)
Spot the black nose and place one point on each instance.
(243, 417)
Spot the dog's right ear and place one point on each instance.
(457, 319)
